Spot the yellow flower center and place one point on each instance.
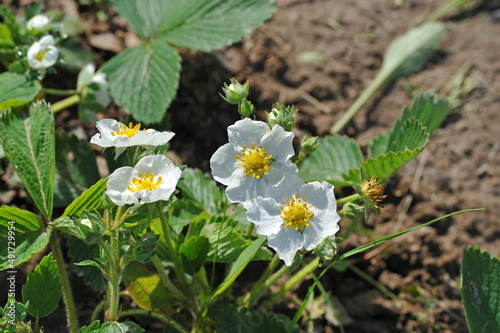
(146, 183)
(129, 130)
(296, 214)
(255, 161)
(40, 55)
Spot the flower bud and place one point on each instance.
(235, 92)
(283, 116)
(310, 144)
(245, 108)
(39, 23)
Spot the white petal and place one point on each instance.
(288, 186)
(50, 57)
(245, 189)
(317, 194)
(278, 143)
(160, 138)
(286, 243)
(99, 78)
(279, 170)
(265, 213)
(38, 22)
(46, 41)
(246, 131)
(223, 164)
(33, 51)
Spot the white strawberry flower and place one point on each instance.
(255, 157)
(295, 215)
(43, 54)
(153, 178)
(115, 134)
(38, 22)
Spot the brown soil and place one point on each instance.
(423, 268)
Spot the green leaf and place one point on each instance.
(428, 108)
(21, 220)
(145, 17)
(146, 289)
(27, 244)
(480, 289)
(6, 40)
(76, 168)
(43, 288)
(212, 24)
(409, 52)
(405, 142)
(29, 146)
(238, 266)
(80, 251)
(228, 241)
(144, 79)
(334, 156)
(89, 199)
(147, 247)
(10, 21)
(230, 319)
(16, 90)
(193, 253)
(202, 189)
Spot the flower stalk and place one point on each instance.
(66, 103)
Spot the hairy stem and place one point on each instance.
(66, 288)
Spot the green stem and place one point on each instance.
(156, 315)
(59, 92)
(66, 288)
(292, 282)
(112, 297)
(36, 329)
(250, 229)
(169, 240)
(166, 280)
(66, 103)
(259, 287)
(358, 104)
(348, 198)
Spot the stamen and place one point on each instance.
(254, 161)
(40, 55)
(146, 183)
(129, 130)
(296, 213)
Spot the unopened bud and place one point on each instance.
(235, 92)
(309, 145)
(245, 108)
(283, 116)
